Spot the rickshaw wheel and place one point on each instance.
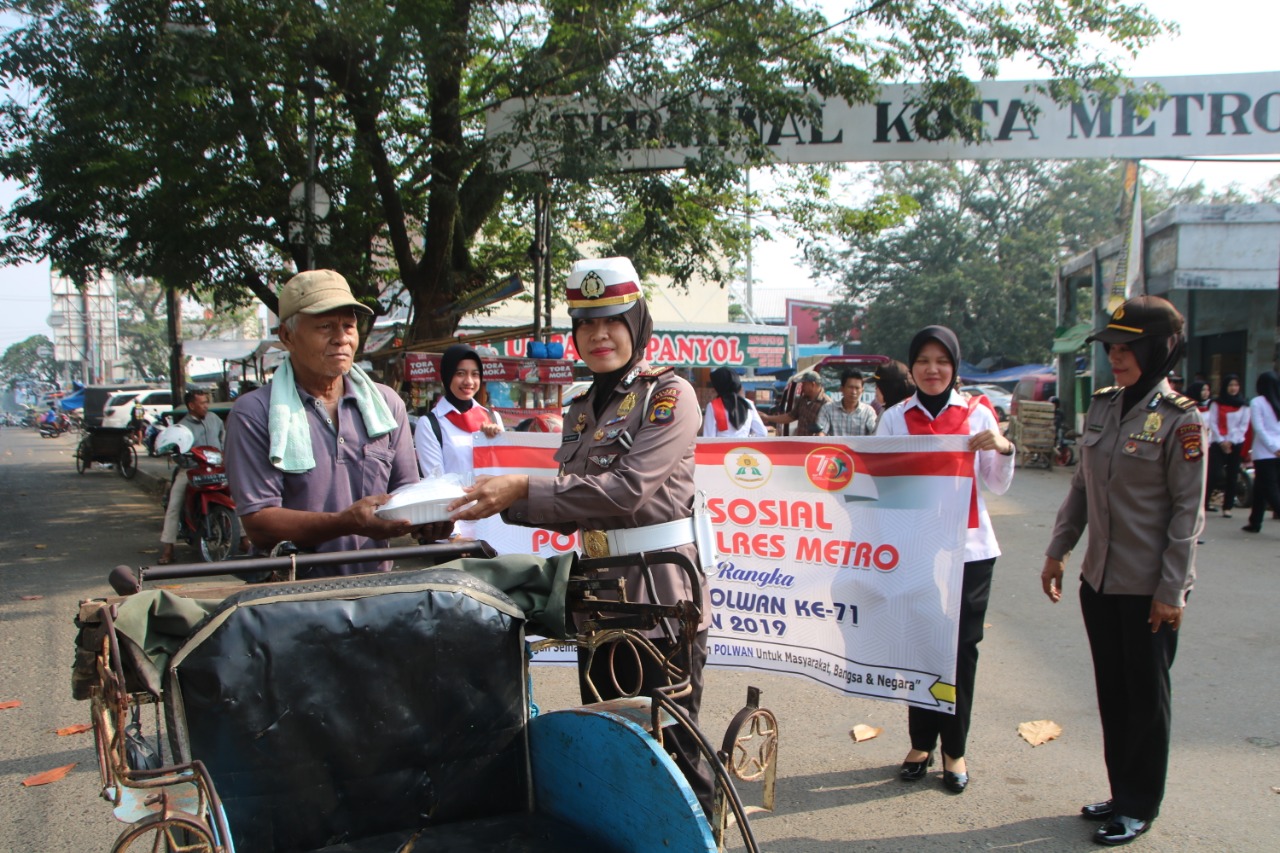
(83, 452)
(174, 833)
(128, 464)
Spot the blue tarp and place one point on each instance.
(969, 373)
(72, 401)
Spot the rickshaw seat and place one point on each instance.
(353, 714)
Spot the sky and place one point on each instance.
(1221, 37)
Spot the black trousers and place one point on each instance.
(927, 726)
(1224, 470)
(648, 674)
(1266, 489)
(1131, 670)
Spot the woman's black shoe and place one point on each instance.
(955, 782)
(914, 771)
(1098, 811)
(1252, 528)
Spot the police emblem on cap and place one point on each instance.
(592, 285)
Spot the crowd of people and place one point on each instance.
(313, 455)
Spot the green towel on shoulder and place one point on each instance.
(289, 433)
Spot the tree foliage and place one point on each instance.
(980, 251)
(161, 138)
(24, 363)
(144, 326)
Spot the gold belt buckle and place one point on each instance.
(595, 543)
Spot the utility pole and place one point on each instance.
(177, 367)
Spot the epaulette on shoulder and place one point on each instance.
(655, 372)
(1184, 403)
(1110, 389)
(581, 395)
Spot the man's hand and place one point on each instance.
(360, 520)
(1162, 613)
(491, 495)
(433, 531)
(1051, 578)
(991, 439)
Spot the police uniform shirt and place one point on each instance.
(1139, 488)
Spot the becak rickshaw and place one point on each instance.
(392, 712)
(108, 445)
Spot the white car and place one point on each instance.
(119, 409)
(999, 397)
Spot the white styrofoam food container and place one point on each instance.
(422, 502)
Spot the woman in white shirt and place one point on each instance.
(937, 409)
(1228, 422)
(1264, 415)
(730, 414)
(445, 436)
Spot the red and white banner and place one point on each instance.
(840, 560)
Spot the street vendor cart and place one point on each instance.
(108, 445)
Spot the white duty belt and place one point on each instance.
(633, 540)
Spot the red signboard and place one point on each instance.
(425, 367)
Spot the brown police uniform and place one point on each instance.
(1140, 490)
(630, 468)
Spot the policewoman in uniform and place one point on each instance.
(936, 408)
(626, 475)
(1139, 488)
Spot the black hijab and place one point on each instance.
(1268, 387)
(934, 403)
(728, 387)
(1195, 391)
(640, 324)
(1225, 399)
(454, 356)
(1156, 357)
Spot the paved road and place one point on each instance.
(833, 794)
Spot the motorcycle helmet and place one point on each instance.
(176, 437)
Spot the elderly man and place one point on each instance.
(312, 455)
(805, 407)
(206, 431)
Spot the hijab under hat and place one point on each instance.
(894, 381)
(640, 325)
(449, 362)
(934, 403)
(728, 387)
(1156, 356)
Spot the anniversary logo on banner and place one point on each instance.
(840, 560)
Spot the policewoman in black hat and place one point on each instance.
(625, 484)
(1139, 488)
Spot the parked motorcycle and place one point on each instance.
(154, 428)
(208, 520)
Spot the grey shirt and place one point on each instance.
(834, 420)
(207, 431)
(1140, 489)
(349, 465)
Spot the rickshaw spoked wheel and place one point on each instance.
(128, 464)
(176, 832)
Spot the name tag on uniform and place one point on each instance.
(570, 437)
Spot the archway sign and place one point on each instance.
(1225, 114)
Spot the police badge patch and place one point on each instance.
(663, 410)
(1192, 438)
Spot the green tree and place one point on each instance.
(144, 326)
(29, 361)
(161, 138)
(980, 251)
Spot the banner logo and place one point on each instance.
(748, 467)
(829, 468)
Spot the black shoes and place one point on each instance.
(1252, 528)
(914, 771)
(1097, 811)
(1120, 830)
(955, 782)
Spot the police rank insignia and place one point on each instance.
(599, 434)
(1153, 423)
(663, 410)
(628, 403)
(582, 422)
(1192, 438)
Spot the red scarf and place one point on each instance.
(469, 421)
(722, 416)
(952, 420)
(1223, 411)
